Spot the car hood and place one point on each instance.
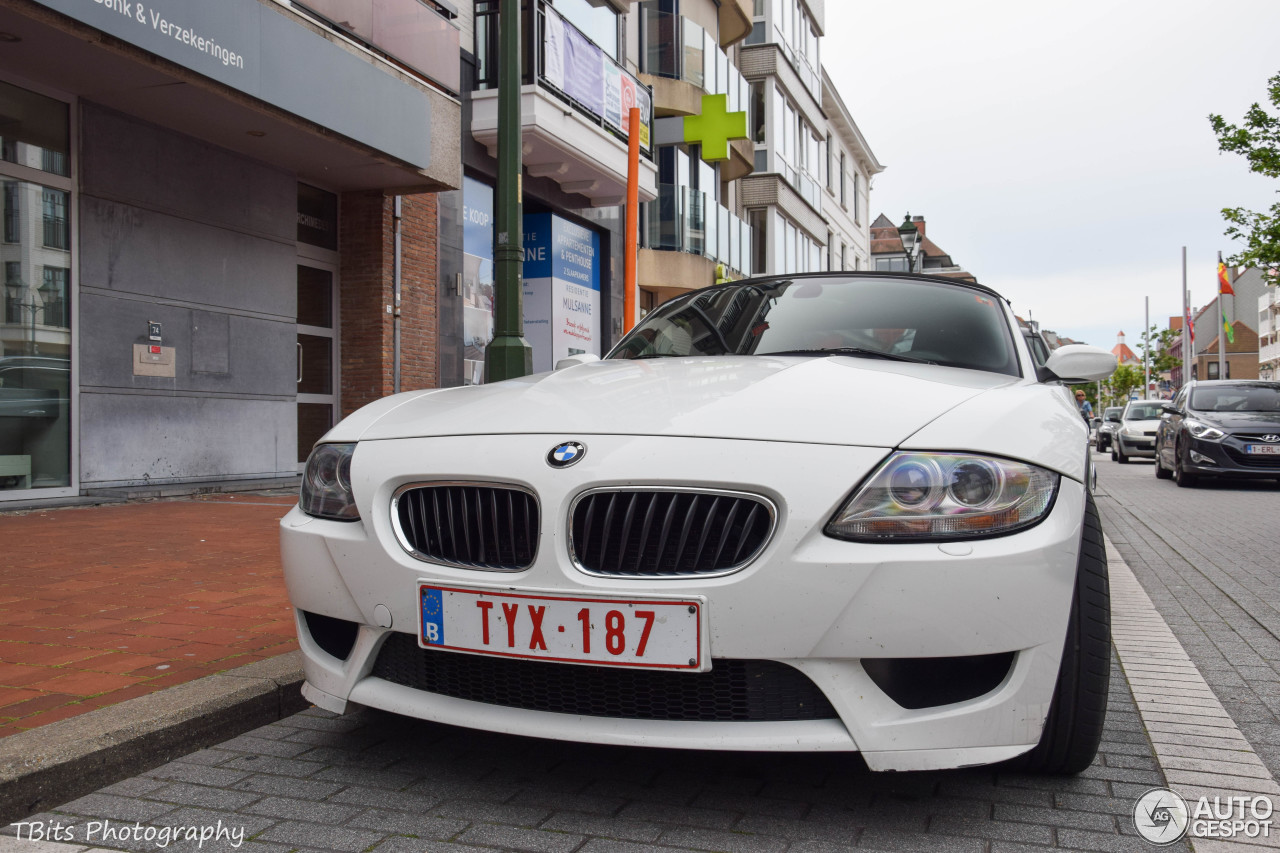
(826, 400)
(1267, 421)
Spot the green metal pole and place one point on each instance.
(509, 354)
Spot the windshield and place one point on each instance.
(1112, 414)
(1145, 411)
(897, 318)
(1254, 397)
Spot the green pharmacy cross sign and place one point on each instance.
(715, 127)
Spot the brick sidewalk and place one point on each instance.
(102, 604)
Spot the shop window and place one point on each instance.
(34, 131)
(35, 335)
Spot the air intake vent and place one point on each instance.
(733, 691)
(469, 525)
(666, 533)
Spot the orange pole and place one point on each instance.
(632, 224)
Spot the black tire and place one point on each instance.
(1113, 453)
(1180, 476)
(1119, 455)
(1074, 726)
(1162, 473)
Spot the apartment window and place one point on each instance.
(13, 272)
(57, 230)
(53, 292)
(827, 165)
(844, 198)
(831, 248)
(757, 113)
(759, 219)
(892, 264)
(12, 230)
(844, 263)
(857, 205)
(598, 24)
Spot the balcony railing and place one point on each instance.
(408, 31)
(55, 312)
(570, 66)
(57, 234)
(687, 220)
(680, 49)
(1269, 353)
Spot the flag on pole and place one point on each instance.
(1191, 328)
(1224, 281)
(1226, 328)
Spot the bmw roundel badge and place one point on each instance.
(566, 453)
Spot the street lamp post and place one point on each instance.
(508, 354)
(13, 296)
(910, 235)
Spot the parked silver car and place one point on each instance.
(1135, 435)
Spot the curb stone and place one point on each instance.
(52, 764)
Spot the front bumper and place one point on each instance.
(1228, 458)
(1137, 446)
(814, 603)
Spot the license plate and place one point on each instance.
(1263, 449)
(647, 633)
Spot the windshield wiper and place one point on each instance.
(859, 351)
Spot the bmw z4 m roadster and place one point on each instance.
(821, 512)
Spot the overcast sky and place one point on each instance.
(1061, 151)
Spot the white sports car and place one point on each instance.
(824, 512)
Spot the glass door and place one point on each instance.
(317, 353)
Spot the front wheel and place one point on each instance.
(1073, 728)
(1180, 476)
(1162, 473)
(1119, 455)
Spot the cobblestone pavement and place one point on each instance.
(1210, 560)
(373, 781)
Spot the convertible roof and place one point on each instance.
(867, 274)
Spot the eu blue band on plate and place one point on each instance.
(432, 616)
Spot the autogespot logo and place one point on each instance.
(1161, 816)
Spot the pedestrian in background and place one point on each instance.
(1086, 410)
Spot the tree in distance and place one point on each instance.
(1257, 139)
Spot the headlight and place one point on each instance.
(1204, 431)
(945, 496)
(326, 484)
(1130, 431)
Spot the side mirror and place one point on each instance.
(1081, 363)
(1169, 410)
(580, 358)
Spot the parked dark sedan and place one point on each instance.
(1221, 428)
